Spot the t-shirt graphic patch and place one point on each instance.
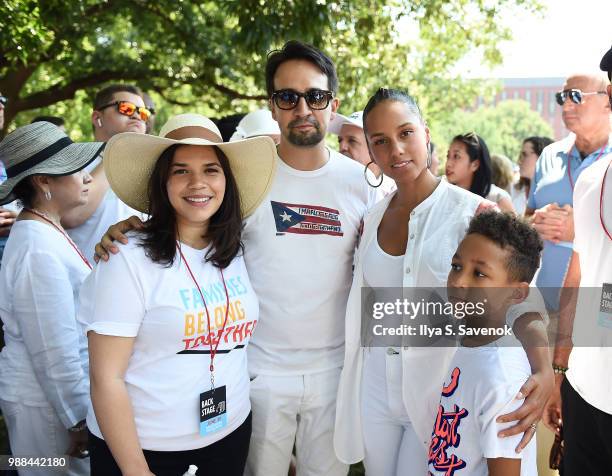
(306, 219)
(445, 436)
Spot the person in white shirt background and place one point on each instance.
(352, 143)
(169, 318)
(531, 149)
(580, 409)
(468, 165)
(44, 389)
(387, 398)
(117, 108)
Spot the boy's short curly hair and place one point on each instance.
(514, 234)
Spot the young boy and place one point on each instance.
(493, 265)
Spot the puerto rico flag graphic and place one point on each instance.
(306, 219)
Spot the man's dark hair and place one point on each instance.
(105, 96)
(160, 231)
(296, 50)
(58, 121)
(477, 150)
(511, 233)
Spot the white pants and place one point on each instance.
(296, 410)
(392, 447)
(37, 431)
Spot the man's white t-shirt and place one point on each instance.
(110, 211)
(299, 247)
(44, 361)
(590, 368)
(482, 384)
(161, 307)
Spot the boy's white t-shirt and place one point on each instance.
(482, 384)
(131, 296)
(299, 247)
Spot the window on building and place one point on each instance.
(540, 101)
(528, 96)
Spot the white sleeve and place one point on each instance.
(112, 297)
(45, 309)
(499, 401)
(533, 303)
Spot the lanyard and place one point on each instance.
(601, 196)
(41, 215)
(213, 350)
(569, 163)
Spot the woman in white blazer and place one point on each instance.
(388, 396)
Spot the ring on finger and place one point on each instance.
(533, 426)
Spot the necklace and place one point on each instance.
(49, 220)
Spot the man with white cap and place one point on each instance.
(257, 123)
(581, 408)
(352, 143)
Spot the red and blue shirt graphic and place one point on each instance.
(306, 219)
(445, 436)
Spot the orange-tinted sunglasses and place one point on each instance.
(128, 108)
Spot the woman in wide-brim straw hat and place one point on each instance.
(44, 390)
(169, 319)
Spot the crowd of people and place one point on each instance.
(195, 299)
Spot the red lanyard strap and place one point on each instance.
(213, 350)
(601, 197)
(76, 248)
(569, 162)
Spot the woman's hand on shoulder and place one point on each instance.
(116, 233)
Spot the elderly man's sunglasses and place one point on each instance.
(575, 95)
(315, 98)
(128, 108)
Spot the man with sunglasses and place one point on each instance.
(586, 113)
(580, 408)
(117, 108)
(299, 247)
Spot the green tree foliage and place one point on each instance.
(503, 127)
(208, 56)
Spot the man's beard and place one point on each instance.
(303, 140)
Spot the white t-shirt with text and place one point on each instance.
(161, 307)
(482, 384)
(299, 247)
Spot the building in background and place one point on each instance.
(539, 93)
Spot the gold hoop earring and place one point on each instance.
(365, 174)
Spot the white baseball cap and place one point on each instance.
(355, 119)
(256, 123)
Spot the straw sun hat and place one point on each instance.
(129, 160)
(41, 148)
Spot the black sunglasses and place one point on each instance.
(575, 95)
(315, 98)
(3, 100)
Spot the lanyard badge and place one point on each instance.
(213, 404)
(605, 306)
(213, 411)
